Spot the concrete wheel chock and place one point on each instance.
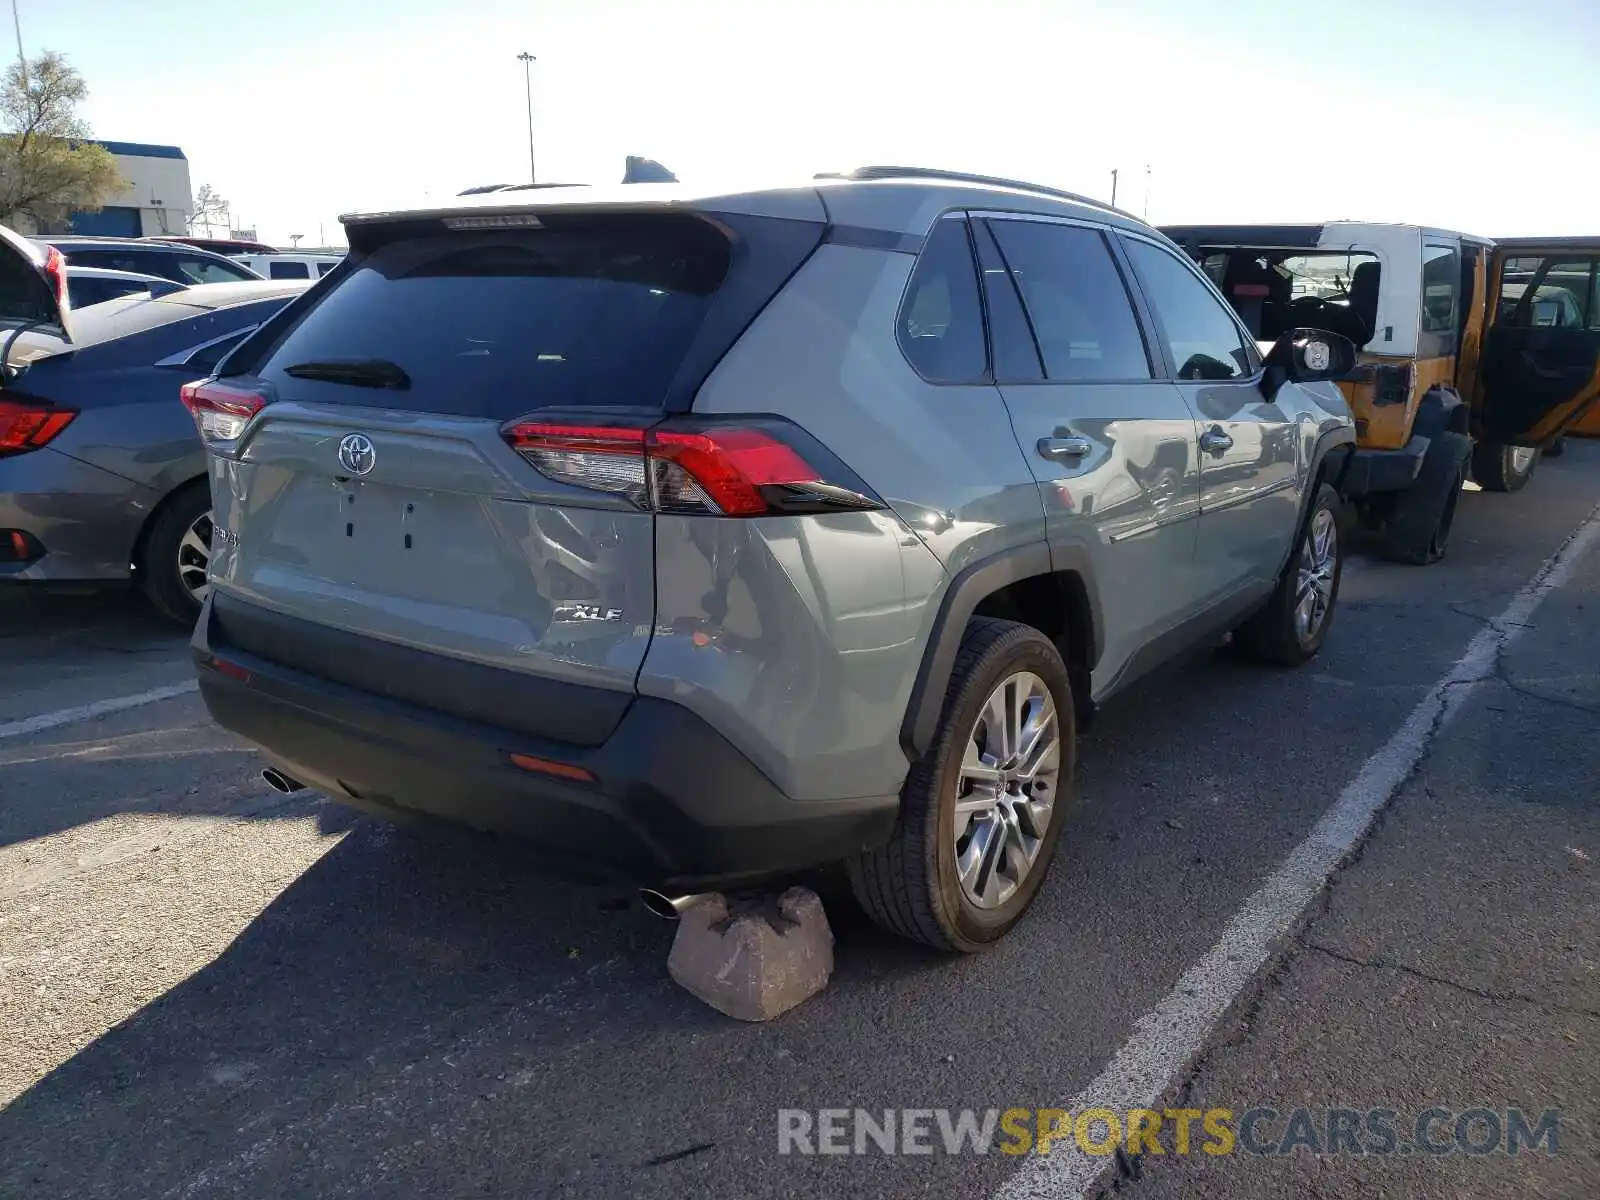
(753, 960)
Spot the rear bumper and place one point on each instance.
(86, 518)
(672, 802)
(1384, 470)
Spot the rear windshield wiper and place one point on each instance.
(358, 372)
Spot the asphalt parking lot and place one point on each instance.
(211, 990)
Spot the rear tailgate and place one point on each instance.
(385, 501)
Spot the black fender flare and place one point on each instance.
(965, 593)
(1330, 456)
(1441, 410)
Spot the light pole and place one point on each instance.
(527, 82)
(1113, 187)
(22, 58)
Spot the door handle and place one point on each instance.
(1215, 441)
(1062, 449)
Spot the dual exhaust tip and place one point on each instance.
(668, 908)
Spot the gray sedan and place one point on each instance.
(102, 476)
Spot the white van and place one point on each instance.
(289, 265)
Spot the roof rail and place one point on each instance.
(892, 172)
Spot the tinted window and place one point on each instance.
(208, 270)
(941, 319)
(288, 270)
(1441, 276)
(1082, 317)
(84, 292)
(1016, 357)
(499, 324)
(324, 267)
(115, 260)
(1200, 331)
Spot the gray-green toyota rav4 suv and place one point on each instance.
(703, 537)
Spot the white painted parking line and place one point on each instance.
(84, 712)
(1166, 1040)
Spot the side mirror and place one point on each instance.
(1308, 356)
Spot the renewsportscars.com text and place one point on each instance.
(1258, 1130)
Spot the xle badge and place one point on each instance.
(586, 612)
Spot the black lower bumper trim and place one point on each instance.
(1372, 470)
(672, 802)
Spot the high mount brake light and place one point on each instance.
(733, 470)
(220, 410)
(27, 425)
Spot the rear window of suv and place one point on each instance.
(498, 324)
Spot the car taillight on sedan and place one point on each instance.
(733, 469)
(26, 425)
(221, 410)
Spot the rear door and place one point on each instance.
(1540, 369)
(1109, 438)
(377, 491)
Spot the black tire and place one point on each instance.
(159, 560)
(1273, 635)
(910, 886)
(1494, 470)
(1418, 531)
(1555, 449)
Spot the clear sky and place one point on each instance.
(1481, 115)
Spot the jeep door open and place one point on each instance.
(1474, 354)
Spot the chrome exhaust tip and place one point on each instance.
(279, 782)
(668, 908)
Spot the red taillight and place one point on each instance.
(55, 270)
(27, 426)
(729, 466)
(220, 410)
(732, 470)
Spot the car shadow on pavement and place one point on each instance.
(397, 969)
(111, 615)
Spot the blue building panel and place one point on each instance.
(111, 221)
(143, 150)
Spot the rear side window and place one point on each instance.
(118, 260)
(84, 292)
(941, 318)
(196, 269)
(1082, 317)
(324, 267)
(498, 324)
(288, 270)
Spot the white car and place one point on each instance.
(289, 265)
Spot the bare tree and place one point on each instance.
(48, 167)
(209, 209)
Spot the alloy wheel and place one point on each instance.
(1006, 791)
(194, 558)
(1319, 559)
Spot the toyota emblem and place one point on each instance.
(356, 454)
